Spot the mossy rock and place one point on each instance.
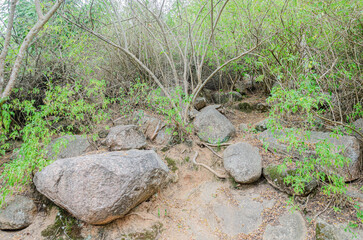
(337, 231)
(245, 107)
(275, 177)
(171, 164)
(323, 232)
(65, 227)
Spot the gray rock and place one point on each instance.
(261, 107)
(102, 187)
(213, 127)
(359, 127)
(326, 231)
(292, 226)
(351, 149)
(200, 102)
(125, 137)
(163, 136)
(224, 97)
(243, 162)
(262, 125)
(244, 84)
(18, 213)
(68, 146)
(148, 124)
(276, 179)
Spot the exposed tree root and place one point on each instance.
(207, 167)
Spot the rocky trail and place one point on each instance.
(192, 203)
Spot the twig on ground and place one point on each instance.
(207, 167)
(318, 214)
(113, 121)
(156, 131)
(217, 145)
(342, 124)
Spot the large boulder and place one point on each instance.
(348, 146)
(18, 213)
(213, 127)
(102, 187)
(275, 177)
(68, 146)
(125, 137)
(243, 162)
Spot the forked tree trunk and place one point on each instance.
(42, 20)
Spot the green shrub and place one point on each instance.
(75, 105)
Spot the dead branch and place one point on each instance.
(207, 167)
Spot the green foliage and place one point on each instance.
(171, 164)
(133, 97)
(303, 105)
(173, 116)
(64, 110)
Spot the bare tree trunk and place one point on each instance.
(42, 20)
(4, 52)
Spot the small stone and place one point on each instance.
(262, 125)
(18, 213)
(200, 102)
(243, 162)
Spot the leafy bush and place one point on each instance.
(302, 107)
(163, 105)
(73, 106)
